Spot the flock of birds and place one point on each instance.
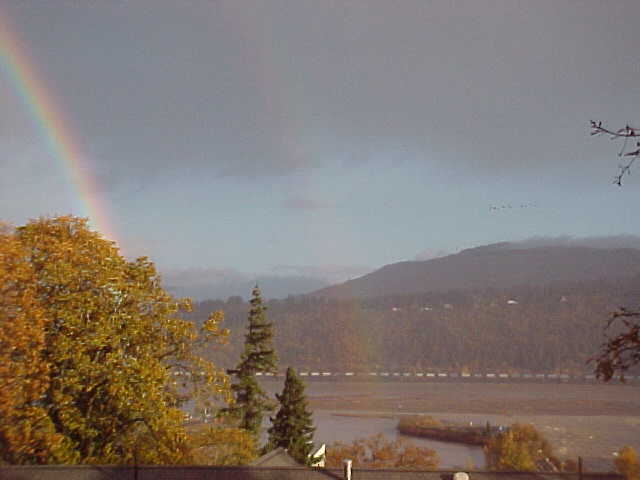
(494, 208)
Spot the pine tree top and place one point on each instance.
(256, 297)
(251, 402)
(292, 428)
(259, 354)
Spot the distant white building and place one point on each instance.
(512, 302)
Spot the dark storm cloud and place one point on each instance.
(254, 89)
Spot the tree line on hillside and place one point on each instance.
(529, 328)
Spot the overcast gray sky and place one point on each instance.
(271, 136)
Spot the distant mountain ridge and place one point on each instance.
(207, 287)
(499, 265)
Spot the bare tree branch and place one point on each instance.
(623, 133)
(621, 352)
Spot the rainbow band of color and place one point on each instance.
(52, 124)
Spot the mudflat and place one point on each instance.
(592, 421)
(493, 398)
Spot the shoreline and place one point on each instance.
(447, 432)
(592, 421)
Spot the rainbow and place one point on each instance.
(55, 128)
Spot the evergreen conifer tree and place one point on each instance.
(251, 402)
(292, 428)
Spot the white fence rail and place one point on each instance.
(466, 376)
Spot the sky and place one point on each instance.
(317, 138)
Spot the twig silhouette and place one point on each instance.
(624, 133)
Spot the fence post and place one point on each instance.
(135, 462)
(579, 468)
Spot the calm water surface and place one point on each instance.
(331, 428)
(573, 432)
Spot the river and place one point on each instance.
(592, 421)
(331, 428)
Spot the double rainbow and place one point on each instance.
(55, 128)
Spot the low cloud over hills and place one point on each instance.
(613, 241)
(280, 282)
(536, 261)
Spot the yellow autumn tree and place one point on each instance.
(26, 433)
(113, 359)
(379, 452)
(627, 463)
(520, 448)
(220, 445)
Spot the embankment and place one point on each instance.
(426, 427)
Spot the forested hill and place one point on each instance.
(556, 327)
(502, 265)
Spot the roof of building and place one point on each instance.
(87, 472)
(275, 458)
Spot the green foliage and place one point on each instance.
(105, 344)
(251, 402)
(292, 428)
(379, 452)
(627, 463)
(521, 448)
